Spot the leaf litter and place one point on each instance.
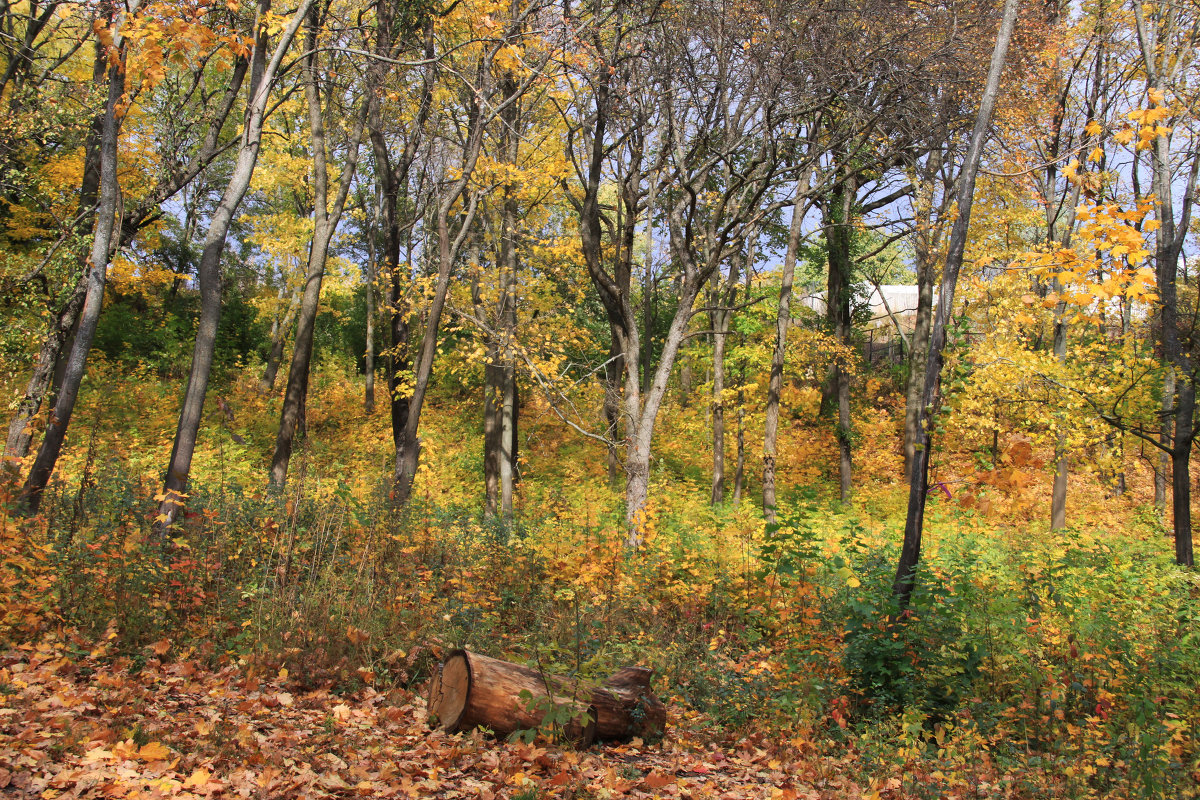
(78, 724)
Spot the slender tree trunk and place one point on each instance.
(783, 320)
(372, 272)
(927, 246)
(508, 438)
(281, 328)
(408, 449)
(49, 367)
(910, 553)
(1163, 469)
(508, 265)
(209, 270)
(917, 357)
(1058, 497)
(648, 290)
(739, 473)
(96, 270)
(325, 222)
(1181, 480)
(641, 413)
(720, 334)
(20, 430)
(492, 401)
(838, 235)
(612, 402)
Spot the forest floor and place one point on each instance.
(74, 723)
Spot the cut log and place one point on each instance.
(625, 707)
(472, 690)
(477, 691)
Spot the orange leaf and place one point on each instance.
(657, 780)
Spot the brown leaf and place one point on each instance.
(656, 780)
(331, 780)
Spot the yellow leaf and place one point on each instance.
(198, 779)
(155, 751)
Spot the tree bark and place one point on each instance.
(612, 402)
(910, 554)
(1161, 66)
(1162, 469)
(20, 430)
(472, 690)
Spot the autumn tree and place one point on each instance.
(910, 553)
(319, 93)
(265, 64)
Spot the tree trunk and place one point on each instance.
(96, 270)
(280, 330)
(372, 271)
(838, 235)
(1163, 467)
(910, 554)
(612, 403)
(493, 381)
(1181, 480)
(20, 430)
(739, 472)
(408, 449)
(783, 320)
(49, 368)
(472, 691)
(325, 222)
(1058, 496)
(209, 272)
(720, 334)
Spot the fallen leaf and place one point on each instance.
(155, 751)
(657, 780)
(198, 779)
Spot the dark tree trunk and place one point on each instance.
(50, 366)
(910, 553)
(96, 271)
(838, 236)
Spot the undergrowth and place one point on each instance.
(1030, 664)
